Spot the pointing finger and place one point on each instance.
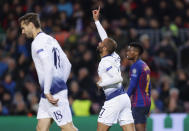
(99, 8)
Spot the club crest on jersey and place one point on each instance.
(134, 71)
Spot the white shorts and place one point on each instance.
(61, 114)
(117, 109)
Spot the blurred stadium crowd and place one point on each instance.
(160, 25)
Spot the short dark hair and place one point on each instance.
(110, 44)
(30, 17)
(138, 46)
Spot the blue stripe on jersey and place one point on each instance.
(40, 50)
(118, 92)
(57, 86)
(107, 69)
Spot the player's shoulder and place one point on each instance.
(106, 60)
(42, 37)
(142, 65)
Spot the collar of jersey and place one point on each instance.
(135, 63)
(107, 55)
(39, 33)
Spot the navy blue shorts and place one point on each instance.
(140, 114)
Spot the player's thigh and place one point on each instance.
(44, 124)
(140, 114)
(102, 127)
(44, 119)
(128, 127)
(61, 113)
(125, 115)
(68, 127)
(109, 112)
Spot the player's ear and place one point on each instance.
(31, 25)
(105, 48)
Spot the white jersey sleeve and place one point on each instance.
(101, 31)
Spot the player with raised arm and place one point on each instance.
(117, 107)
(139, 86)
(53, 69)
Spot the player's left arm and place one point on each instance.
(113, 74)
(134, 79)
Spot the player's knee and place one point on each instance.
(102, 127)
(41, 128)
(68, 127)
(38, 128)
(140, 127)
(74, 128)
(128, 127)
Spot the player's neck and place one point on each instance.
(103, 54)
(36, 32)
(135, 60)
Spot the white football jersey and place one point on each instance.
(52, 65)
(110, 74)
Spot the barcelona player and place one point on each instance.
(139, 86)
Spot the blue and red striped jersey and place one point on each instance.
(139, 87)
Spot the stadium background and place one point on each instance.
(160, 25)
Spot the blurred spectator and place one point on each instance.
(7, 103)
(174, 105)
(183, 53)
(81, 106)
(33, 100)
(86, 82)
(3, 68)
(181, 83)
(65, 5)
(165, 85)
(74, 89)
(166, 55)
(20, 106)
(145, 41)
(9, 84)
(156, 104)
(154, 24)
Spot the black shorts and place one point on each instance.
(140, 114)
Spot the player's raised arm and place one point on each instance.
(101, 31)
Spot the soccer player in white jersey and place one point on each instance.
(53, 69)
(117, 107)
